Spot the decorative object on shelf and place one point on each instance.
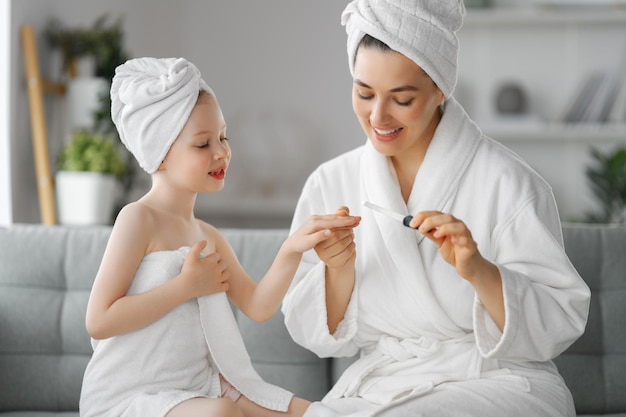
(511, 99)
(601, 97)
(594, 101)
(608, 183)
(87, 182)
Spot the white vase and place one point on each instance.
(83, 99)
(85, 198)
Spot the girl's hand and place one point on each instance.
(204, 275)
(321, 228)
(454, 240)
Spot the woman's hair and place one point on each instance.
(204, 93)
(371, 42)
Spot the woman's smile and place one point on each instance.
(387, 135)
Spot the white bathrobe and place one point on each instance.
(426, 342)
(148, 372)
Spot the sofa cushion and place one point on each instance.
(46, 276)
(594, 365)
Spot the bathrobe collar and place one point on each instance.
(453, 146)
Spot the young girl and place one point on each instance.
(164, 337)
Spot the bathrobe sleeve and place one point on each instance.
(304, 306)
(546, 301)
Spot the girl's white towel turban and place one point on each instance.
(151, 100)
(422, 30)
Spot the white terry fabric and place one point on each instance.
(230, 355)
(149, 371)
(409, 299)
(151, 100)
(422, 30)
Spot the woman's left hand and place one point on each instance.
(458, 248)
(454, 240)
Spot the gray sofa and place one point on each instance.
(46, 274)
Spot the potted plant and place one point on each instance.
(90, 56)
(608, 183)
(90, 167)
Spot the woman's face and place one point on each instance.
(395, 101)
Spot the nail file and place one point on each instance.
(405, 220)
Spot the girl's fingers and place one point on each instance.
(197, 249)
(335, 221)
(331, 223)
(320, 236)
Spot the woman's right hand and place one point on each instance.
(339, 249)
(338, 252)
(204, 275)
(319, 229)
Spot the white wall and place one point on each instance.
(279, 69)
(283, 84)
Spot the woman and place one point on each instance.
(461, 313)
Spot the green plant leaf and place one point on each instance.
(607, 178)
(92, 152)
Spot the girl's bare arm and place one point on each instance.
(261, 301)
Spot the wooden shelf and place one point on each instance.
(557, 132)
(544, 15)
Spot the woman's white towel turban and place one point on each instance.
(151, 100)
(422, 30)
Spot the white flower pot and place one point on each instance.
(85, 198)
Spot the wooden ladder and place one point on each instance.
(36, 86)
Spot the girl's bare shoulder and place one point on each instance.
(137, 216)
(212, 234)
(136, 222)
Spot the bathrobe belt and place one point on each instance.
(458, 358)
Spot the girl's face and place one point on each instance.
(198, 159)
(395, 101)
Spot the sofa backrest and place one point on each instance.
(46, 273)
(594, 367)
